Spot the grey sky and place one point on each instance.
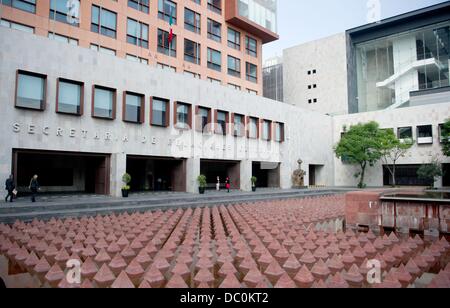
(300, 21)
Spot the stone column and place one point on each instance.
(5, 164)
(246, 174)
(192, 172)
(118, 168)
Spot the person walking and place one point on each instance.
(10, 187)
(34, 187)
(227, 184)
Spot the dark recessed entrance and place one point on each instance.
(268, 174)
(222, 169)
(150, 173)
(446, 177)
(62, 172)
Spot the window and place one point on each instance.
(133, 107)
(214, 60)
(215, 6)
(279, 132)
(238, 125)
(191, 21)
(103, 21)
(31, 90)
(192, 74)
(167, 9)
(136, 59)
(252, 92)
(104, 50)
(183, 115)
(24, 5)
(424, 134)
(104, 103)
(441, 134)
(266, 130)
(191, 51)
(203, 119)
(405, 133)
(251, 71)
(221, 120)
(163, 44)
(234, 86)
(214, 30)
(16, 26)
(251, 46)
(234, 39)
(59, 11)
(69, 97)
(63, 39)
(234, 66)
(159, 112)
(253, 128)
(166, 67)
(137, 33)
(140, 5)
(215, 81)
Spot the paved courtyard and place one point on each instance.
(286, 243)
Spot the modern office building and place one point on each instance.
(273, 79)
(81, 118)
(215, 40)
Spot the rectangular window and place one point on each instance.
(266, 130)
(279, 132)
(166, 67)
(192, 74)
(221, 120)
(159, 112)
(102, 49)
(166, 10)
(191, 51)
(164, 47)
(140, 5)
(192, 21)
(215, 6)
(425, 134)
(59, 11)
(251, 72)
(214, 60)
(405, 134)
(104, 104)
(24, 5)
(234, 39)
(234, 66)
(133, 107)
(137, 33)
(103, 21)
(214, 30)
(63, 39)
(238, 125)
(183, 115)
(31, 90)
(253, 128)
(234, 86)
(251, 46)
(16, 26)
(70, 97)
(203, 119)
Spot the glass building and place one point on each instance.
(261, 12)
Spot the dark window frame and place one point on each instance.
(188, 124)
(114, 105)
(167, 115)
(199, 120)
(33, 74)
(142, 110)
(79, 83)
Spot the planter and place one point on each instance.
(253, 188)
(201, 190)
(125, 193)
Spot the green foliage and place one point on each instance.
(201, 179)
(126, 179)
(429, 173)
(253, 179)
(360, 145)
(445, 134)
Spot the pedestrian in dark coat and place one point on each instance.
(34, 188)
(10, 187)
(227, 184)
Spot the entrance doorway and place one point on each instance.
(222, 169)
(314, 175)
(62, 172)
(446, 177)
(267, 174)
(150, 173)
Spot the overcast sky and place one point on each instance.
(300, 21)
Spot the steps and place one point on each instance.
(107, 205)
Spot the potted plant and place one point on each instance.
(126, 179)
(254, 180)
(201, 184)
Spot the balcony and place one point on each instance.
(239, 20)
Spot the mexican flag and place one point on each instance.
(171, 30)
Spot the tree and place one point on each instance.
(392, 149)
(360, 146)
(429, 173)
(445, 134)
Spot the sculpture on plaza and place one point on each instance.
(298, 177)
